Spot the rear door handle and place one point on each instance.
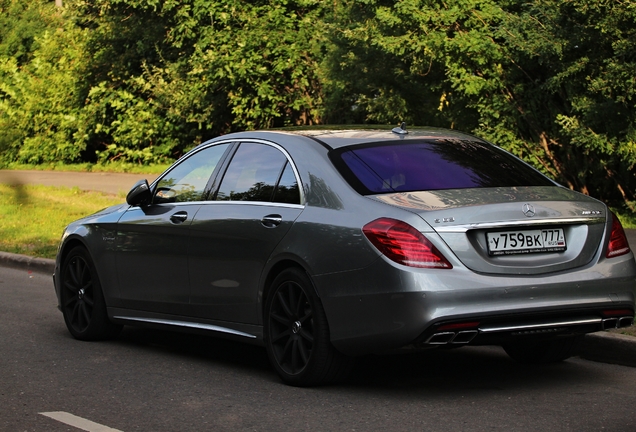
(271, 221)
(179, 217)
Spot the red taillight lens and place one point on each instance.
(618, 241)
(404, 244)
(616, 312)
(459, 326)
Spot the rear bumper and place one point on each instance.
(501, 330)
(387, 306)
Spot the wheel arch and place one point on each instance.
(273, 271)
(68, 246)
(80, 296)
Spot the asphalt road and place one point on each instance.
(159, 381)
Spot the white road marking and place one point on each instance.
(78, 422)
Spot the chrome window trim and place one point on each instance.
(473, 226)
(188, 325)
(254, 203)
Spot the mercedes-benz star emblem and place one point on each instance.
(528, 210)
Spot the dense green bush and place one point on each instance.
(552, 81)
(144, 80)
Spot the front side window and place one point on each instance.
(254, 174)
(186, 182)
(432, 165)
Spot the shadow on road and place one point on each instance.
(431, 373)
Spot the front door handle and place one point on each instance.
(179, 217)
(271, 221)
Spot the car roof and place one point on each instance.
(345, 135)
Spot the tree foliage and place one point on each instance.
(151, 79)
(552, 81)
(143, 80)
(199, 69)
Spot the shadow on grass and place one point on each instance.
(20, 194)
(32, 246)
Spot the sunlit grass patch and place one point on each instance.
(628, 220)
(32, 218)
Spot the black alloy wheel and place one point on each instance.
(291, 328)
(83, 304)
(297, 333)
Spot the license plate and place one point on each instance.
(526, 241)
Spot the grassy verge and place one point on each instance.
(32, 218)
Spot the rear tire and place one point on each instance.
(543, 352)
(297, 333)
(83, 304)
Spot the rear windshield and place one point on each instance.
(432, 165)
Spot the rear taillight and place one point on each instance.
(404, 244)
(459, 326)
(618, 241)
(616, 312)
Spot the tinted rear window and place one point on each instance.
(432, 165)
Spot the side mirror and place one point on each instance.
(139, 194)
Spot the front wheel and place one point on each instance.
(297, 333)
(542, 352)
(83, 304)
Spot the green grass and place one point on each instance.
(628, 220)
(32, 218)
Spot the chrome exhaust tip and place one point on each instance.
(625, 321)
(609, 323)
(445, 338)
(464, 337)
(440, 338)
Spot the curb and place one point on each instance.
(608, 347)
(603, 347)
(23, 262)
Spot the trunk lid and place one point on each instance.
(553, 229)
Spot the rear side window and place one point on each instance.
(432, 165)
(287, 189)
(259, 172)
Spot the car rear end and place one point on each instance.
(502, 255)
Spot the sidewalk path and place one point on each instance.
(111, 183)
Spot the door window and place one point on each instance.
(187, 181)
(254, 173)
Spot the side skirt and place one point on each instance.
(242, 332)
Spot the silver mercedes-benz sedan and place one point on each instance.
(323, 245)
